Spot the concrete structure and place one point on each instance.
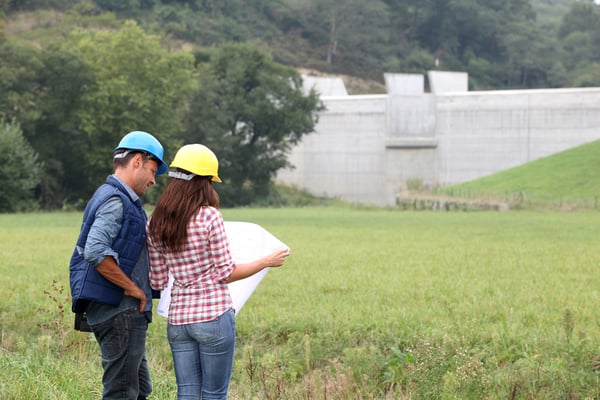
(365, 148)
(325, 86)
(448, 82)
(404, 84)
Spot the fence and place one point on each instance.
(477, 200)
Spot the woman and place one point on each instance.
(186, 237)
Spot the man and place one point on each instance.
(109, 267)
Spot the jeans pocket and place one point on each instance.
(111, 337)
(173, 332)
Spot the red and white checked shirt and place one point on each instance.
(200, 269)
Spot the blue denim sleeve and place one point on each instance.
(103, 232)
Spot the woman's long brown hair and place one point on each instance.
(177, 204)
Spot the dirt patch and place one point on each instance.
(22, 22)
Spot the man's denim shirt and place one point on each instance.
(103, 232)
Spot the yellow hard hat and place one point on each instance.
(197, 159)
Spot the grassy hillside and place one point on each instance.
(571, 173)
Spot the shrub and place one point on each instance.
(20, 172)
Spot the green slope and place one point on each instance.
(574, 173)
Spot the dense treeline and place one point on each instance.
(77, 74)
(71, 100)
(502, 44)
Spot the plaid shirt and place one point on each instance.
(200, 269)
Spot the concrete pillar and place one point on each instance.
(404, 84)
(448, 82)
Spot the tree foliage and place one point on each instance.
(20, 171)
(581, 17)
(19, 90)
(485, 38)
(250, 111)
(136, 85)
(344, 30)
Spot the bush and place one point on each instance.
(20, 172)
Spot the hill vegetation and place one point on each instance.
(509, 44)
(550, 12)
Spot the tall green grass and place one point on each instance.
(372, 304)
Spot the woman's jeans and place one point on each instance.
(122, 342)
(203, 357)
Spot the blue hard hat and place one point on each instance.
(143, 141)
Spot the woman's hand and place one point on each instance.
(277, 258)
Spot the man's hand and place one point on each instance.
(137, 293)
(109, 269)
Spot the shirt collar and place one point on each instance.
(130, 192)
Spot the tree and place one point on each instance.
(579, 43)
(582, 17)
(589, 77)
(19, 88)
(250, 111)
(137, 85)
(527, 56)
(20, 172)
(56, 134)
(345, 30)
(575, 49)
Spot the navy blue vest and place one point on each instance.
(87, 284)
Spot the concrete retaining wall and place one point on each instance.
(366, 148)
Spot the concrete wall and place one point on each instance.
(366, 148)
(344, 156)
(481, 133)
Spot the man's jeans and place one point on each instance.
(122, 342)
(203, 357)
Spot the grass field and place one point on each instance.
(372, 304)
